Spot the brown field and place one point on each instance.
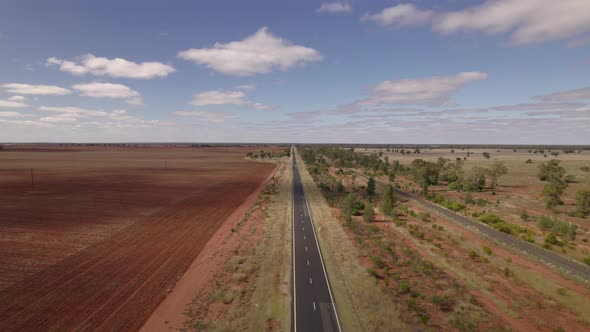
(104, 233)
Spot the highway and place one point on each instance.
(313, 305)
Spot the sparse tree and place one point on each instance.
(369, 213)
(370, 191)
(496, 171)
(583, 199)
(347, 206)
(388, 200)
(487, 155)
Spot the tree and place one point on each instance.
(498, 169)
(347, 206)
(476, 182)
(370, 191)
(425, 173)
(369, 213)
(487, 155)
(583, 198)
(391, 176)
(556, 181)
(552, 193)
(388, 200)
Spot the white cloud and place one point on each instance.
(334, 7)
(58, 119)
(28, 89)
(259, 53)
(109, 90)
(400, 15)
(17, 98)
(246, 87)
(219, 97)
(13, 115)
(420, 91)
(73, 112)
(12, 104)
(25, 123)
(570, 95)
(527, 21)
(100, 66)
(214, 117)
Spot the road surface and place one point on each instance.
(313, 305)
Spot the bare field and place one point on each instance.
(103, 234)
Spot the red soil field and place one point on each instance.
(103, 234)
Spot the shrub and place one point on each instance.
(551, 239)
(424, 216)
(586, 260)
(403, 287)
(528, 161)
(469, 199)
(473, 255)
(487, 250)
(456, 186)
(524, 215)
(490, 218)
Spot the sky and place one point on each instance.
(271, 71)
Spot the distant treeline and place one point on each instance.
(457, 146)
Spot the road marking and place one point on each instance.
(293, 252)
(304, 237)
(306, 248)
(308, 262)
(322, 261)
(313, 305)
(310, 282)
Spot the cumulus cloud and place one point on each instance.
(17, 98)
(28, 89)
(13, 115)
(527, 21)
(569, 95)
(220, 97)
(246, 87)
(334, 8)
(25, 123)
(213, 117)
(11, 104)
(259, 53)
(100, 66)
(109, 90)
(433, 91)
(400, 15)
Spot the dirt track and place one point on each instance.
(117, 280)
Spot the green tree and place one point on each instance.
(554, 175)
(583, 198)
(369, 213)
(425, 173)
(347, 207)
(388, 201)
(370, 191)
(496, 171)
(487, 155)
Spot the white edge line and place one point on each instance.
(321, 259)
(293, 233)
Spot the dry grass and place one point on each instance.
(360, 303)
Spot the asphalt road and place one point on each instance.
(313, 305)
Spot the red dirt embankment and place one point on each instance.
(143, 218)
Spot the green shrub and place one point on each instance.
(586, 260)
(487, 250)
(456, 186)
(490, 218)
(524, 215)
(424, 216)
(473, 255)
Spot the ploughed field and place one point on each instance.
(103, 234)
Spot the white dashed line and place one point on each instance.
(305, 248)
(313, 305)
(310, 282)
(308, 262)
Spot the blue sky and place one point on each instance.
(501, 71)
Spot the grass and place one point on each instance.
(360, 303)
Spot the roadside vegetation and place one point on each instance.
(409, 252)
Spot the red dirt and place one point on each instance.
(170, 313)
(102, 235)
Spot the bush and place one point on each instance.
(473, 255)
(551, 239)
(490, 219)
(403, 287)
(424, 216)
(469, 199)
(524, 215)
(528, 161)
(357, 208)
(456, 186)
(586, 260)
(487, 250)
